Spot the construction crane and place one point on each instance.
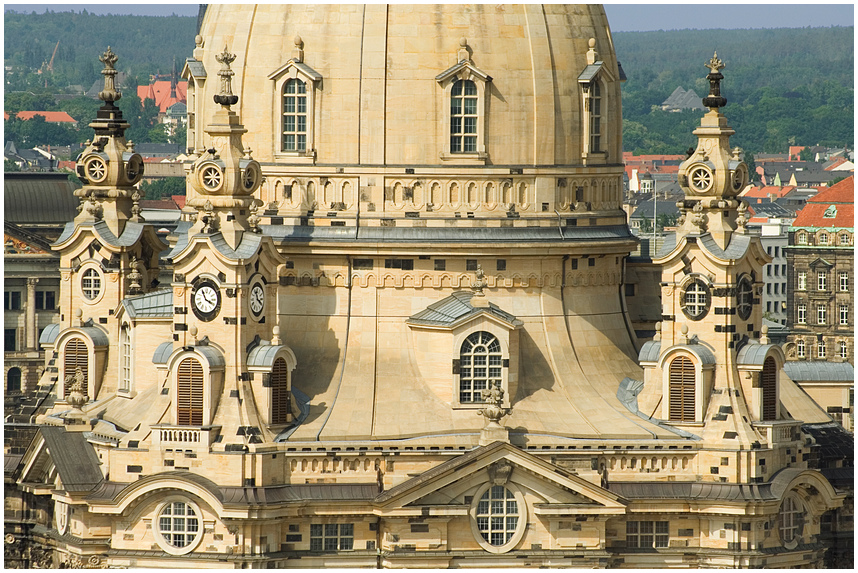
(54, 55)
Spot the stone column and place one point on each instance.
(30, 329)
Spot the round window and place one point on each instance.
(744, 298)
(701, 179)
(179, 527)
(91, 284)
(498, 517)
(695, 300)
(211, 177)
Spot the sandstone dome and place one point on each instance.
(377, 89)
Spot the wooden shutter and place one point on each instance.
(681, 390)
(76, 355)
(280, 392)
(769, 383)
(190, 393)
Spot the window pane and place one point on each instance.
(457, 88)
(289, 105)
(470, 106)
(455, 107)
(470, 88)
(330, 544)
(302, 105)
(470, 125)
(331, 529)
(470, 143)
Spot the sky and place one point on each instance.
(623, 17)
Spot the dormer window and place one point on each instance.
(465, 93)
(802, 238)
(480, 366)
(295, 116)
(295, 84)
(189, 397)
(823, 238)
(595, 117)
(681, 390)
(463, 117)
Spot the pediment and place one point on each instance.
(820, 263)
(294, 69)
(58, 460)
(463, 70)
(453, 485)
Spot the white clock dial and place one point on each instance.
(257, 299)
(205, 298)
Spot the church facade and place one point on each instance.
(396, 332)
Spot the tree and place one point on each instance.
(166, 187)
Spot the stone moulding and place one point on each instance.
(427, 279)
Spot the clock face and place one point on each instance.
(206, 300)
(257, 299)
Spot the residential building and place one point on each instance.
(394, 337)
(820, 296)
(60, 117)
(681, 100)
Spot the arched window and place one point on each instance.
(844, 350)
(280, 392)
(13, 380)
(125, 358)
(595, 117)
(823, 238)
(75, 355)
(769, 384)
(681, 389)
(695, 300)
(463, 117)
(480, 363)
(295, 116)
(189, 397)
(90, 284)
(800, 348)
(179, 524)
(790, 518)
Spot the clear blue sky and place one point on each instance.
(626, 17)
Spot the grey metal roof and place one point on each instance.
(648, 207)
(693, 490)
(247, 248)
(650, 351)
(49, 334)
(627, 394)
(211, 354)
(814, 371)
(455, 308)
(753, 354)
(307, 70)
(735, 250)
(298, 493)
(162, 353)
(158, 303)
(98, 336)
(590, 72)
(702, 352)
(53, 193)
(196, 67)
(263, 356)
(668, 245)
(74, 458)
(305, 234)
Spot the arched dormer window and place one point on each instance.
(466, 94)
(190, 391)
(463, 117)
(480, 366)
(294, 116)
(280, 395)
(595, 117)
(769, 384)
(75, 355)
(295, 85)
(681, 387)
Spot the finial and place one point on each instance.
(657, 337)
(109, 94)
(135, 207)
(684, 331)
(493, 412)
(275, 335)
(764, 331)
(479, 282)
(592, 56)
(193, 332)
(134, 277)
(464, 54)
(78, 317)
(225, 97)
(714, 100)
(298, 51)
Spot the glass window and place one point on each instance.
(595, 117)
(745, 298)
(844, 282)
(13, 380)
(46, 300)
(91, 283)
(12, 300)
(10, 339)
(497, 515)
(332, 537)
(800, 348)
(820, 349)
(696, 300)
(179, 524)
(844, 240)
(647, 534)
(844, 314)
(823, 238)
(821, 280)
(821, 314)
(295, 116)
(802, 239)
(463, 117)
(801, 314)
(844, 353)
(790, 520)
(480, 366)
(125, 349)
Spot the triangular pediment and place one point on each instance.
(820, 263)
(56, 459)
(463, 70)
(456, 482)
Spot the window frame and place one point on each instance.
(821, 280)
(472, 365)
(800, 350)
(790, 520)
(843, 349)
(321, 532)
(17, 380)
(521, 516)
(844, 315)
(294, 70)
(821, 349)
(296, 114)
(821, 314)
(702, 290)
(682, 390)
(745, 297)
(126, 359)
(823, 239)
(802, 281)
(89, 272)
(12, 300)
(801, 313)
(843, 240)
(162, 541)
(660, 539)
(844, 281)
(464, 70)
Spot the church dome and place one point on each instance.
(380, 84)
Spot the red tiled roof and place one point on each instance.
(764, 192)
(836, 162)
(50, 116)
(179, 200)
(839, 197)
(160, 92)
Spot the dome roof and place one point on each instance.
(377, 73)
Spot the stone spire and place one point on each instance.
(713, 174)
(108, 166)
(225, 175)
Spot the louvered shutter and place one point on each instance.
(681, 390)
(280, 392)
(76, 355)
(190, 393)
(769, 382)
